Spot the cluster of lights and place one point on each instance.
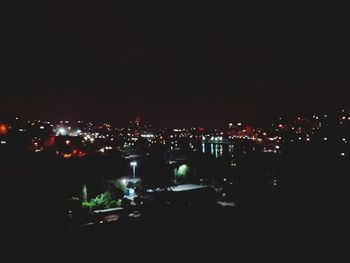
(130, 136)
(89, 138)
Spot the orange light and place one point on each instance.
(78, 153)
(67, 156)
(3, 129)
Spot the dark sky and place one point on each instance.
(172, 63)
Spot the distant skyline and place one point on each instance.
(172, 65)
(264, 123)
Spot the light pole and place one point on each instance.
(133, 164)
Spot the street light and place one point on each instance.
(133, 164)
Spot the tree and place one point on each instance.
(116, 188)
(182, 172)
(101, 201)
(114, 193)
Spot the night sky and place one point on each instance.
(172, 63)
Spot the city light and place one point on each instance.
(61, 131)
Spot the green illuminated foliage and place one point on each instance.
(111, 198)
(101, 201)
(182, 172)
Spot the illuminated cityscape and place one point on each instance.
(132, 166)
(103, 175)
(161, 127)
(79, 139)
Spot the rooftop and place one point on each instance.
(187, 187)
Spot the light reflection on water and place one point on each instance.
(217, 150)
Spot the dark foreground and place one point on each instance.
(307, 219)
(210, 234)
